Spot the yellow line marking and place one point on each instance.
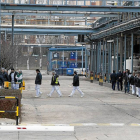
(133, 124)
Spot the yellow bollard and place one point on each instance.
(23, 85)
(6, 85)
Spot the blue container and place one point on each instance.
(70, 71)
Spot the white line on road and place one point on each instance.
(37, 128)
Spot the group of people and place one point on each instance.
(13, 77)
(55, 84)
(129, 80)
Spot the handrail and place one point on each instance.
(17, 109)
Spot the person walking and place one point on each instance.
(1, 80)
(38, 82)
(119, 80)
(5, 75)
(19, 78)
(76, 85)
(132, 82)
(12, 78)
(137, 83)
(113, 79)
(126, 81)
(55, 85)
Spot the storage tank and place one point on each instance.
(136, 64)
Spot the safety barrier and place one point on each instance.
(98, 76)
(101, 81)
(21, 86)
(17, 109)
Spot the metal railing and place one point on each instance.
(17, 108)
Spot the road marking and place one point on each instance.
(80, 124)
(135, 124)
(37, 128)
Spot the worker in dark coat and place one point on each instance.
(119, 79)
(126, 81)
(132, 83)
(76, 85)
(5, 75)
(55, 85)
(113, 79)
(1, 80)
(137, 83)
(38, 82)
(12, 78)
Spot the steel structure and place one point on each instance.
(36, 7)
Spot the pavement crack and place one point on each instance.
(75, 135)
(115, 107)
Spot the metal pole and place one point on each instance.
(110, 58)
(85, 20)
(117, 54)
(66, 2)
(132, 52)
(85, 59)
(108, 63)
(100, 56)
(76, 2)
(63, 58)
(97, 48)
(82, 57)
(91, 62)
(105, 55)
(94, 58)
(76, 58)
(114, 65)
(12, 38)
(125, 53)
(84, 2)
(103, 59)
(48, 2)
(0, 35)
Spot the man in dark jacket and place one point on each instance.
(119, 79)
(137, 83)
(113, 79)
(126, 81)
(38, 82)
(12, 78)
(76, 85)
(132, 82)
(55, 85)
(1, 80)
(5, 75)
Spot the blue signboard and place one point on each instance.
(72, 55)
